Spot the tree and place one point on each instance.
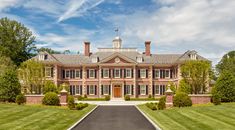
(184, 87)
(227, 63)
(9, 86)
(49, 50)
(49, 87)
(5, 63)
(31, 75)
(196, 74)
(225, 86)
(66, 52)
(16, 41)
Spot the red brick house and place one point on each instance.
(116, 71)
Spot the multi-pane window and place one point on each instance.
(117, 73)
(167, 73)
(105, 73)
(72, 74)
(160, 89)
(67, 73)
(157, 73)
(77, 74)
(106, 89)
(128, 73)
(92, 90)
(142, 89)
(92, 73)
(48, 72)
(142, 73)
(128, 89)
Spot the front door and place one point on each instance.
(117, 91)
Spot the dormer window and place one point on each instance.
(94, 60)
(139, 59)
(193, 56)
(43, 57)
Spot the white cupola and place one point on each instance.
(117, 42)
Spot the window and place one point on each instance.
(72, 89)
(67, 73)
(72, 74)
(91, 90)
(45, 57)
(157, 73)
(167, 73)
(106, 89)
(48, 72)
(77, 74)
(142, 90)
(139, 59)
(128, 73)
(105, 73)
(117, 73)
(128, 89)
(78, 89)
(142, 73)
(92, 73)
(160, 89)
(94, 60)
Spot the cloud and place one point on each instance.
(6, 4)
(178, 25)
(78, 8)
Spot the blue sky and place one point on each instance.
(173, 26)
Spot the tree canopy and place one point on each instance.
(196, 74)
(16, 41)
(49, 50)
(227, 63)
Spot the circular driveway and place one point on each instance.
(115, 118)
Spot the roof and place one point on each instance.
(79, 59)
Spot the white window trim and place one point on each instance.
(156, 73)
(130, 89)
(90, 73)
(108, 89)
(78, 89)
(169, 73)
(108, 73)
(144, 89)
(79, 71)
(90, 89)
(158, 89)
(115, 73)
(66, 75)
(130, 72)
(144, 73)
(50, 72)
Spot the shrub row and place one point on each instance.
(106, 98)
(81, 106)
(157, 106)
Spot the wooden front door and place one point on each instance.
(117, 91)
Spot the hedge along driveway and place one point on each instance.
(39, 117)
(220, 117)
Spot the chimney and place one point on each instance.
(147, 48)
(87, 49)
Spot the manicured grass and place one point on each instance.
(38, 117)
(144, 99)
(93, 99)
(206, 117)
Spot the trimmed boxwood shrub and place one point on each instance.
(182, 99)
(216, 97)
(51, 98)
(20, 99)
(152, 106)
(162, 103)
(85, 96)
(127, 98)
(71, 103)
(80, 106)
(107, 98)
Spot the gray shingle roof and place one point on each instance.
(79, 59)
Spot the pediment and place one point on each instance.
(117, 58)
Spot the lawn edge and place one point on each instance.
(80, 120)
(151, 121)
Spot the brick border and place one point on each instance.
(79, 121)
(154, 124)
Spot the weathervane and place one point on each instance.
(116, 30)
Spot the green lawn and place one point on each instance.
(210, 117)
(13, 116)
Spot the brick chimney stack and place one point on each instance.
(87, 49)
(147, 48)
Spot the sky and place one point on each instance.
(172, 26)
